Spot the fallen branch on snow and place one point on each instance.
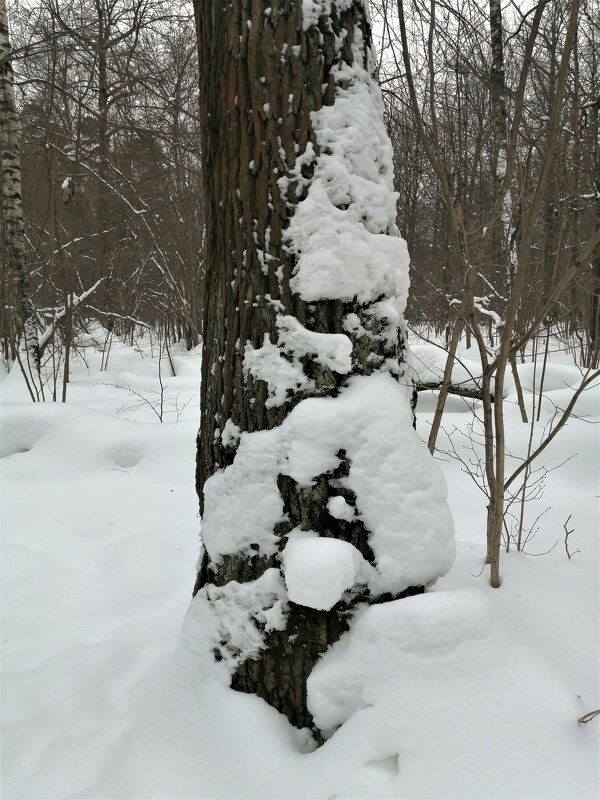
(77, 301)
(462, 391)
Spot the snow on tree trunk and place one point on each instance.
(317, 496)
(12, 207)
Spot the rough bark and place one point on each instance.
(12, 207)
(261, 76)
(445, 385)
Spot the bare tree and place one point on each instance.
(478, 297)
(132, 227)
(12, 207)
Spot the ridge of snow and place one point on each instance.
(267, 364)
(331, 350)
(279, 365)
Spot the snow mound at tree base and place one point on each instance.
(437, 696)
(429, 672)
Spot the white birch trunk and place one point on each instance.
(12, 207)
(500, 120)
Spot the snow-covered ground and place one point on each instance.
(464, 692)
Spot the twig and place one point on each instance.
(567, 534)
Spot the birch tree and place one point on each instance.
(317, 496)
(12, 207)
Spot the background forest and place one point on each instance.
(112, 187)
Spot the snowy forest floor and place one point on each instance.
(466, 692)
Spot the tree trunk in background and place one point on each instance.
(507, 250)
(262, 74)
(12, 208)
(104, 266)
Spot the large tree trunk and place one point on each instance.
(12, 207)
(263, 75)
